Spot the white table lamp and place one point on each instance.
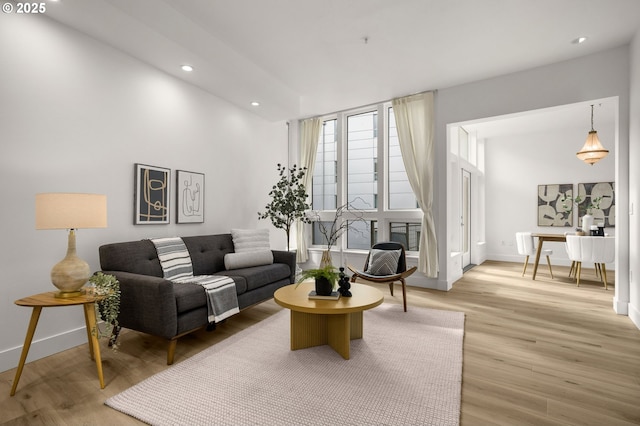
(70, 211)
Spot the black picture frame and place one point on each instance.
(151, 197)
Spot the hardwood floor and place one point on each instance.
(541, 352)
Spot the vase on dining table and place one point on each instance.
(587, 221)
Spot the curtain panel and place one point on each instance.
(309, 135)
(415, 124)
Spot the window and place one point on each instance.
(317, 238)
(406, 233)
(325, 172)
(359, 162)
(362, 156)
(362, 235)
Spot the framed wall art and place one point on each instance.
(190, 197)
(151, 195)
(599, 198)
(554, 205)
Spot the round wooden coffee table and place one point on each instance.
(321, 322)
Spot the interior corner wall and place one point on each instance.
(601, 75)
(634, 182)
(76, 116)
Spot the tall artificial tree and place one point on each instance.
(288, 200)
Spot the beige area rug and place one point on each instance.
(407, 370)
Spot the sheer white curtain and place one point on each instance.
(414, 121)
(309, 134)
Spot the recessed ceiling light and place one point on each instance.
(579, 40)
(187, 68)
(255, 103)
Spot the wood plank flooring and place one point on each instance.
(541, 352)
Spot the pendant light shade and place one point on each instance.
(592, 151)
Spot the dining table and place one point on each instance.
(559, 238)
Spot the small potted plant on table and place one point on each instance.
(325, 279)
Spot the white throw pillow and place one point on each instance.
(246, 240)
(383, 262)
(248, 259)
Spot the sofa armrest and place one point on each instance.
(288, 258)
(147, 304)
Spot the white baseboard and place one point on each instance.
(634, 314)
(44, 347)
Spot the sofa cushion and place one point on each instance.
(247, 259)
(245, 240)
(189, 296)
(207, 252)
(258, 276)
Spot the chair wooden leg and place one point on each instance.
(572, 270)
(391, 288)
(526, 262)
(598, 270)
(549, 263)
(404, 294)
(603, 275)
(578, 270)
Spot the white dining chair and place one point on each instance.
(526, 247)
(599, 250)
(572, 269)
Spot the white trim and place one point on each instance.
(44, 347)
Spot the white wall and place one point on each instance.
(634, 183)
(517, 164)
(75, 117)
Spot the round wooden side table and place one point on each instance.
(48, 300)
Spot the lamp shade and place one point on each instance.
(71, 211)
(592, 151)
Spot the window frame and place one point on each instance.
(382, 214)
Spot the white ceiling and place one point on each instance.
(302, 58)
(309, 57)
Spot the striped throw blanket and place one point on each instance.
(222, 300)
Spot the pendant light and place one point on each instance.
(592, 151)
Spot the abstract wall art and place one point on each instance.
(553, 207)
(190, 197)
(151, 195)
(600, 199)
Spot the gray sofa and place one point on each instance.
(153, 305)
